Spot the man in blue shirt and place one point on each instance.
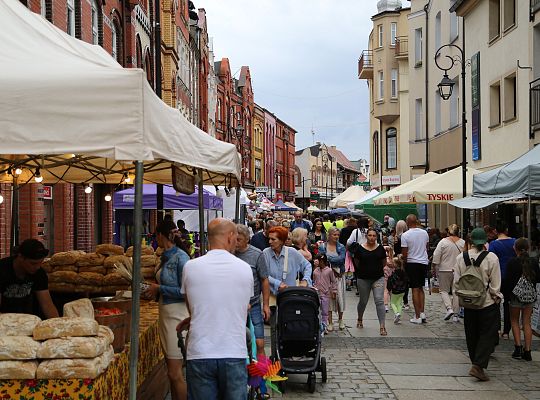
(299, 222)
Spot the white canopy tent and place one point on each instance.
(67, 108)
(352, 205)
(352, 193)
(444, 188)
(403, 192)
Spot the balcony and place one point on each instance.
(535, 6)
(402, 47)
(534, 107)
(365, 65)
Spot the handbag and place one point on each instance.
(272, 300)
(354, 247)
(525, 291)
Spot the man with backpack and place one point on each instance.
(478, 286)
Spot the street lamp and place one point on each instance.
(446, 87)
(324, 159)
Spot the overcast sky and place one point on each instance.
(303, 57)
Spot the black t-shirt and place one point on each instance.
(514, 270)
(370, 264)
(17, 294)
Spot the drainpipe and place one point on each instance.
(426, 69)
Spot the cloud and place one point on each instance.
(303, 56)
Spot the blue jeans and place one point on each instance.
(217, 379)
(257, 320)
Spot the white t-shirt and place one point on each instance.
(218, 287)
(357, 236)
(416, 241)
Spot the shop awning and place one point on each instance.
(404, 192)
(475, 202)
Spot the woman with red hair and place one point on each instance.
(285, 266)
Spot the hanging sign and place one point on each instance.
(47, 192)
(183, 182)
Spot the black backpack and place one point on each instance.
(397, 282)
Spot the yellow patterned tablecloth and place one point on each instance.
(113, 384)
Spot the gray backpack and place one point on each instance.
(470, 287)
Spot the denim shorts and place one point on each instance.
(213, 379)
(514, 302)
(257, 320)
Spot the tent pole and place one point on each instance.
(14, 215)
(201, 212)
(135, 285)
(529, 218)
(237, 206)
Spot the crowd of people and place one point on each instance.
(248, 265)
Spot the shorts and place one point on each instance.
(257, 320)
(416, 273)
(170, 316)
(515, 303)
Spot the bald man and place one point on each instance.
(217, 288)
(414, 247)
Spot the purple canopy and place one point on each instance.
(125, 199)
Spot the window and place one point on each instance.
(114, 41)
(510, 97)
(495, 104)
(438, 31)
(71, 17)
(454, 104)
(393, 33)
(219, 110)
(375, 156)
(380, 35)
(391, 148)
(258, 171)
(509, 14)
(381, 85)
(438, 128)
(454, 27)
(43, 9)
(494, 19)
(394, 83)
(95, 24)
(418, 119)
(418, 46)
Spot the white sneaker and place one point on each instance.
(341, 325)
(423, 318)
(416, 321)
(455, 318)
(448, 315)
(330, 327)
(397, 319)
(406, 307)
(386, 308)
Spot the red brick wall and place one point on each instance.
(5, 220)
(63, 217)
(85, 219)
(31, 211)
(107, 221)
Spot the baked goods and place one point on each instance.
(74, 368)
(148, 261)
(73, 347)
(145, 250)
(90, 278)
(106, 358)
(61, 327)
(159, 251)
(18, 348)
(59, 268)
(90, 259)
(114, 279)
(119, 260)
(106, 333)
(79, 308)
(97, 269)
(148, 272)
(64, 277)
(13, 324)
(47, 267)
(109, 249)
(18, 369)
(65, 258)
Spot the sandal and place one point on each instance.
(505, 336)
(359, 324)
(383, 331)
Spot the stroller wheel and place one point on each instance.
(311, 381)
(322, 366)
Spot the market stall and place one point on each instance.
(70, 113)
(397, 211)
(352, 193)
(404, 192)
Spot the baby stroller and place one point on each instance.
(298, 335)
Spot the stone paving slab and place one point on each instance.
(414, 356)
(423, 369)
(450, 383)
(455, 394)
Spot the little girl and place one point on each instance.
(397, 285)
(325, 282)
(388, 269)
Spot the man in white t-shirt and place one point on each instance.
(217, 287)
(414, 246)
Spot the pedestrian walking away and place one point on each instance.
(478, 285)
(396, 285)
(401, 227)
(414, 247)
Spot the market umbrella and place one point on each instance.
(444, 188)
(404, 192)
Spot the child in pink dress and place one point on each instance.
(388, 269)
(325, 282)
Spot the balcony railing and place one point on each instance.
(534, 107)
(535, 6)
(402, 47)
(365, 65)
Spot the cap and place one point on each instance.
(478, 236)
(32, 249)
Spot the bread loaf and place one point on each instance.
(109, 249)
(97, 269)
(79, 308)
(74, 368)
(148, 261)
(106, 359)
(106, 333)
(91, 259)
(12, 324)
(18, 348)
(47, 267)
(62, 287)
(65, 258)
(148, 272)
(159, 251)
(64, 326)
(145, 250)
(18, 369)
(119, 260)
(65, 268)
(90, 279)
(73, 347)
(64, 277)
(114, 279)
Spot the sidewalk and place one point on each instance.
(417, 362)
